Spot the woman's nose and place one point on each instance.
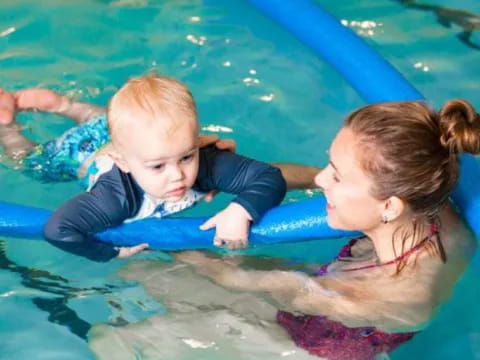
(320, 179)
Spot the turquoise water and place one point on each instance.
(253, 83)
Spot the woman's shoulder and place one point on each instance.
(362, 246)
(459, 244)
(457, 238)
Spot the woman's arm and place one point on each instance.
(373, 300)
(298, 176)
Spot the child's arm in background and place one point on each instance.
(73, 226)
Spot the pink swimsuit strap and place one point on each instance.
(346, 252)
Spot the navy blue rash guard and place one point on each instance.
(116, 197)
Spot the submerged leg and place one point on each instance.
(15, 144)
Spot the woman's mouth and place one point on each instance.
(330, 207)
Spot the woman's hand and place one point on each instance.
(221, 144)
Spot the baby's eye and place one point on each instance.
(158, 167)
(187, 158)
(335, 178)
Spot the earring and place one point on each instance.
(384, 219)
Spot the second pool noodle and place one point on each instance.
(373, 77)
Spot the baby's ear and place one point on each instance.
(119, 161)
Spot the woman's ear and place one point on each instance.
(119, 161)
(393, 208)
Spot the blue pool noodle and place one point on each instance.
(373, 77)
(287, 223)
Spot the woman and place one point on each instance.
(392, 168)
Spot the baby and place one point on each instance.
(153, 167)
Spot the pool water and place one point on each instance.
(252, 82)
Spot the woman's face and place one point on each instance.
(347, 187)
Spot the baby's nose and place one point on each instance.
(176, 173)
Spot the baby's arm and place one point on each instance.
(298, 176)
(73, 226)
(258, 187)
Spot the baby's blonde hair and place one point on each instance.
(147, 99)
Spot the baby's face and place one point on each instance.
(164, 164)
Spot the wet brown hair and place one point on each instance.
(411, 151)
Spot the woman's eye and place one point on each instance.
(335, 176)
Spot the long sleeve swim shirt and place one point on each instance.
(115, 198)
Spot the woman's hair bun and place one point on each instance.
(460, 127)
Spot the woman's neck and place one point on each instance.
(394, 239)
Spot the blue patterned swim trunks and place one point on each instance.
(60, 159)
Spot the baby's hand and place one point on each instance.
(232, 225)
(125, 252)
